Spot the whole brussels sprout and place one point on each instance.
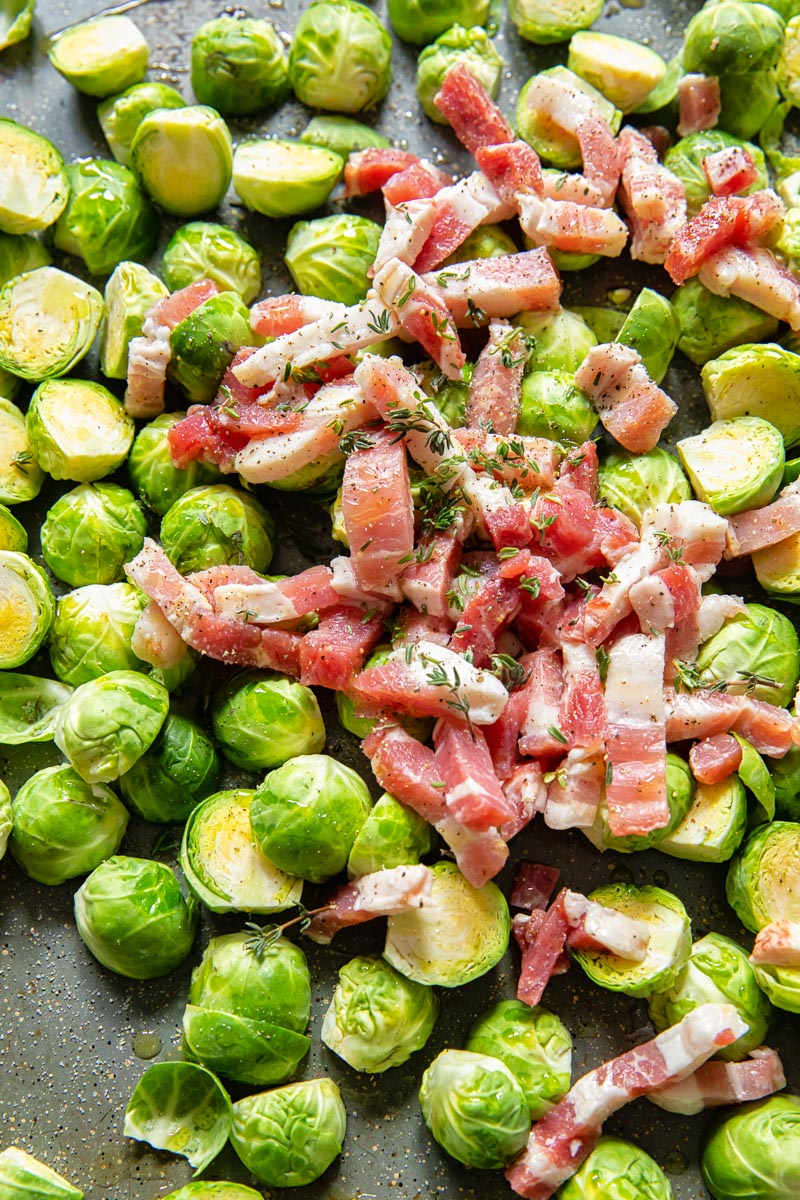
(259, 979)
(685, 159)
(203, 345)
(182, 1107)
(617, 1170)
(180, 769)
(120, 116)
(152, 472)
(634, 483)
(377, 1018)
(559, 341)
(732, 38)
(626, 72)
(341, 57)
(330, 256)
(758, 653)
(20, 253)
(475, 1108)
(305, 815)
(391, 836)
(108, 218)
(23, 1175)
(533, 1044)
(747, 101)
(92, 630)
(100, 56)
(77, 429)
(547, 21)
(763, 883)
(214, 525)
(238, 65)
(26, 608)
(132, 916)
(471, 47)
(711, 324)
(63, 827)
(420, 21)
(203, 250)
(262, 719)
(184, 158)
(90, 532)
(253, 1052)
(289, 1136)
(552, 406)
(753, 1153)
(109, 722)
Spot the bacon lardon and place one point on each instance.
(690, 531)
(405, 232)
(528, 462)
(473, 794)
(718, 1083)
(605, 930)
(574, 228)
(460, 209)
(336, 650)
(419, 181)
(777, 945)
(526, 790)
(155, 640)
(762, 527)
(630, 405)
(278, 315)
(540, 734)
(582, 713)
(426, 581)
(723, 221)
(475, 118)
(699, 103)
(574, 795)
(421, 312)
(378, 894)
(406, 768)
(730, 171)
(501, 286)
(754, 274)
(368, 170)
(534, 883)
(490, 611)
(702, 714)
(148, 358)
(542, 942)
(715, 758)
(271, 603)
(496, 386)
(378, 514)
(653, 198)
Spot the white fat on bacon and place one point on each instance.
(630, 405)
(615, 931)
(148, 359)
(422, 314)
(155, 640)
(755, 275)
(264, 603)
(460, 680)
(653, 198)
(479, 854)
(378, 894)
(573, 227)
(405, 232)
(501, 286)
(474, 201)
(344, 582)
(714, 611)
(691, 530)
(777, 945)
(573, 797)
(653, 604)
(718, 1083)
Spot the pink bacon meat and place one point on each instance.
(718, 1083)
(368, 170)
(460, 209)
(419, 181)
(534, 884)
(267, 602)
(542, 940)
(754, 274)
(422, 314)
(336, 650)
(722, 221)
(574, 796)
(499, 287)
(496, 387)
(475, 118)
(630, 405)
(378, 894)
(150, 353)
(716, 758)
(378, 514)
(703, 714)
(699, 103)
(571, 227)
(730, 171)
(762, 527)
(426, 581)
(512, 168)
(407, 769)
(653, 198)
(472, 790)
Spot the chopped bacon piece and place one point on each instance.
(699, 103)
(777, 945)
(718, 1083)
(755, 275)
(501, 286)
(525, 789)
(419, 181)
(413, 626)
(722, 221)
(460, 209)
(600, 928)
(270, 603)
(496, 387)
(533, 885)
(368, 170)
(378, 894)
(668, 601)
(529, 462)
(716, 758)
(406, 768)
(479, 855)
(511, 168)
(472, 791)
(730, 171)
(422, 314)
(540, 732)
(630, 405)
(378, 514)
(155, 640)
(691, 530)
(475, 118)
(575, 228)
(404, 233)
(566, 1135)
(346, 587)
(762, 527)
(206, 434)
(574, 795)
(148, 359)
(714, 611)
(654, 199)
(582, 712)
(507, 521)
(333, 653)
(485, 616)
(427, 580)
(702, 714)
(540, 957)
(503, 735)
(286, 314)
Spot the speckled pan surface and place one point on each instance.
(69, 1030)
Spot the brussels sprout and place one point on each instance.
(34, 187)
(330, 257)
(475, 1108)
(238, 65)
(305, 815)
(282, 178)
(180, 769)
(29, 707)
(218, 1190)
(568, 260)
(552, 406)
(204, 343)
(634, 483)
(756, 380)
(21, 477)
(108, 218)
(26, 608)
(788, 244)
(20, 253)
(460, 934)
(223, 866)
(680, 794)
(763, 882)
(651, 328)
(79, 430)
(391, 836)
(422, 21)
(289, 1136)
(785, 774)
(781, 985)
(129, 295)
(261, 719)
(546, 21)
(734, 465)
(13, 535)
(63, 827)
(471, 47)
(753, 1153)
(747, 101)
(714, 825)
(340, 57)
(213, 525)
(90, 532)
(133, 918)
(183, 158)
(732, 38)
(758, 653)
(260, 979)
(553, 144)
(92, 630)
(533, 1044)
(48, 322)
(487, 241)
(109, 722)
(22, 1175)
(560, 340)
(377, 1018)
(16, 18)
(5, 830)
(342, 135)
(157, 480)
(617, 1170)
(777, 568)
(788, 67)
(180, 1107)
(718, 972)
(202, 250)
(667, 950)
(121, 115)
(246, 1051)
(605, 323)
(665, 93)
(625, 72)
(685, 159)
(754, 774)
(102, 56)
(712, 324)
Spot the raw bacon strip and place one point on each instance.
(475, 118)
(203, 436)
(270, 603)
(149, 354)
(496, 387)
(636, 787)
(702, 713)
(777, 945)
(722, 221)
(528, 462)
(630, 405)
(422, 314)
(540, 732)
(479, 855)
(378, 894)
(597, 927)
(652, 602)
(718, 1083)
(525, 789)
(405, 232)
(699, 103)
(654, 200)
(501, 286)
(224, 575)
(413, 627)
(567, 1134)
(485, 616)
(533, 885)
(541, 956)
(771, 730)
(606, 608)
(512, 168)
(336, 650)
(278, 315)
(582, 712)
(503, 735)
(762, 527)
(574, 796)
(472, 791)
(460, 209)
(716, 758)
(730, 171)
(378, 514)
(155, 640)
(575, 228)
(693, 533)
(755, 275)
(406, 769)
(368, 170)
(419, 181)
(426, 581)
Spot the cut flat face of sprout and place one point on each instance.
(214, 1190)
(34, 188)
(129, 295)
(472, 47)
(48, 322)
(239, 65)
(625, 72)
(29, 707)
(214, 525)
(179, 770)
(203, 250)
(158, 482)
(340, 57)
(21, 477)
(183, 157)
(26, 608)
(282, 178)
(330, 257)
(763, 882)
(714, 825)
(183, 1108)
(289, 1136)
(16, 17)
(108, 218)
(78, 430)
(546, 21)
(121, 115)
(734, 465)
(756, 380)
(13, 535)
(102, 56)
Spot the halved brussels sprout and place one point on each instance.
(756, 380)
(685, 159)
(391, 836)
(13, 535)
(16, 18)
(664, 93)
(667, 950)
(605, 323)
(282, 178)
(224, 867)
(102, 56)
(732, 37)
(34, 188)
(258, 978)
(634, 483)
(151, 469)
(617, 1170)
(460, 934)
(78, 430)
(20, 253)
(342, 135)
(204, 343)
(109, 722)
(340, 57)
(554, 145)
(183, 158)
(132, 916)
(213, 525)
(377, 1018)
(712, 324)
(788, 65)
(714, 825)
(471, 47)
(754, 1151)
(23, 1175)
(92, 630)
(178, 770)
(239, 65)
(754, 774)
(330, 257)
(785, 774)
(288, 1137)
(651, 328)
(183, 1108)
(718, 972)
(680, 794)
(747, 101)
(758, 653)
(781, 985)
(533, 1044)
(120, 116)
(5, 830)
(108, 218)
(734, 465)
(216, 1190)
(546, 21)
(560, 340)
(262, 719)
(21, 477)
(203, 250)
(29, 707)
(48, 322)
(777, 568)
(129, 295)
(475, 1108)
(626, 72)
(63, 826)
(246, 1051)
(26, 608)
(305, 815)
(763, 882)
(553, 406)
(90, 532)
